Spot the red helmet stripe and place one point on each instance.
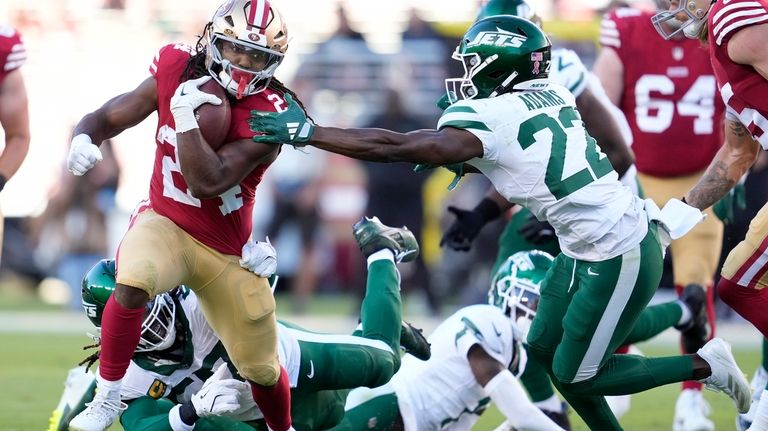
(260, 9)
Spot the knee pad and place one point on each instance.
(254, 367)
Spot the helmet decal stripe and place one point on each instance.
(259, 10)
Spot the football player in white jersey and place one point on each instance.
(178, 351)
(525, 134)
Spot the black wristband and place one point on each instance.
(188, 414)
(3, 180)
(487, 209)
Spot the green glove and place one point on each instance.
(448, 99)
(291, 126)
(456, 168)
(724, 209)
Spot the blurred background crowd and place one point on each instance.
(352, 62)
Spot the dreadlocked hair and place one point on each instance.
(195, 67)
(92, 358)
(276, 85)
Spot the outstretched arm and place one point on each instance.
(507, 392)
(437, 147)
(731, 162)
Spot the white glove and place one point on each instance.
(259, 258)
(83, 155)
(186, 99)
(219, 396)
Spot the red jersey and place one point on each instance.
(223, 223)
(12, 51)
(669, 96)
(743, 89)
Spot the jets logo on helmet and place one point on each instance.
(498, 38)
(496, 55)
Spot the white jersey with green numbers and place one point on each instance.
(442, 393)
(537, 153)
(181, 374)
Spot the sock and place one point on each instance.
(551, 404)
(749, 303)
(761, 416)
(380, 311)
(686, 316)
(275, 402)
(106, 387)
(120, 333)
(383, 254)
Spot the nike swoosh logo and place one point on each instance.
(590, 272)
(311, 369)
(561, 66)
(183, 93)
(498, 333)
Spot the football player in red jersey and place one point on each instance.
(667, 91)
(14, 118)
(736, 32)
(194, 229)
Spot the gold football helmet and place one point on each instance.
(245, 42)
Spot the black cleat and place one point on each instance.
(372, 235)
(412, 340)
(560, 418)
(695, 333)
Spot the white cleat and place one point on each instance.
(691, 411)
(758, 383)
(726, 376)
(99, 414)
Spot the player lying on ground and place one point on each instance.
(179, 352)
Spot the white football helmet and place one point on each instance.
(245, 42)
(687, 16)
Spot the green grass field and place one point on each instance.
(33, 368)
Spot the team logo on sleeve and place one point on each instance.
(498, 38)
(157, 389)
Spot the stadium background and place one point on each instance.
(81, 52)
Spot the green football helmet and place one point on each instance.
(519, 8)
(516, 286)
(501, 53)
(158, 330)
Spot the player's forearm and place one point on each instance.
(730, 163)
(510, 397)
(376, 145)
(16, 148)
(201, 167)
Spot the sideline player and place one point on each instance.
(524, 133)
(194, 229)
(666, 89)
(172, 374)
(735, 32)
(14, 115)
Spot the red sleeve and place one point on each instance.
(728, 18)
(616, 30)
(12, 51)
(169, 57)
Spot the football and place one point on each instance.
(214, 119)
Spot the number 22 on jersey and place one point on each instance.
(567, 118)
(231, 200)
